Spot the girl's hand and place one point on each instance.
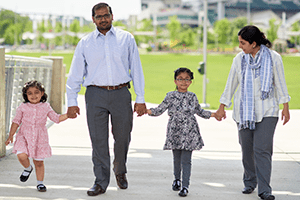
(215, 116)
(63, 117)
(13, 130)
(149, 112)
(9, 140)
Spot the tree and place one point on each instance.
(88, 28)
(12, 26)
(58, 41)
(272, 31)
(41, 29)
(75, 28)
(187, 36)
(7, 18)
(119, 24)
(223, 29)
(145, 25)
(236, 25)
(174, 28)
(9, 34)
(295, 27)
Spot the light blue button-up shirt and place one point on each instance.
(105, 60)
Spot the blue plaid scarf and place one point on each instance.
(265, 65)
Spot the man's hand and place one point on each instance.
(140, 109)
(73, 111)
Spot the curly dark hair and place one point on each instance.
(36, 84)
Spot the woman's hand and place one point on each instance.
(285, 114)
(221, 114)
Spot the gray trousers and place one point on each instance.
(182, 160)
(257, 151)
(100, 104)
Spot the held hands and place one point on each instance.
(149, 112)
(215, 116)
(140, 109)
(221, 113)
(73, 111)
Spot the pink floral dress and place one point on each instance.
(32, 137)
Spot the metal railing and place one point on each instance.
(19, 70)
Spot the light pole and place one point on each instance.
(248, 12)
(204, 104)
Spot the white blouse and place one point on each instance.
(263, 108)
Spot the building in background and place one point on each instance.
(261, 11)
(161, 10)
(286, 12)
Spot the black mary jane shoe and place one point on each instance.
(25, 178)
(95, 190)
(247, 190)
(266, 196)
(176, 185)
(183, 192)
(41, 188)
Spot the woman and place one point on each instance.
(257, 79)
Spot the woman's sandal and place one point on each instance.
(41, 188)
(25, 175)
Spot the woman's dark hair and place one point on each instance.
(253, 34)
(36, 84)
(181, 70)
(101, 5)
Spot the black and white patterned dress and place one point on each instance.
(182, 130)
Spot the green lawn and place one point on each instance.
(159, 75)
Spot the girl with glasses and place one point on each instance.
(183, 135)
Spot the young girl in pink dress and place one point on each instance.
(32, 138)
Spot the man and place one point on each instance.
(105, 61)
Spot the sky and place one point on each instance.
(121, 8)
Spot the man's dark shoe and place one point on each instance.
(248, 190)
(95, 190)
(266, 196)
(122, 181)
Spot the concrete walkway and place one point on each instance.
(216, 169)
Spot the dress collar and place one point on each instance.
(33, 105)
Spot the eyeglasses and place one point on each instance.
(100, 17)
(181, 80)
